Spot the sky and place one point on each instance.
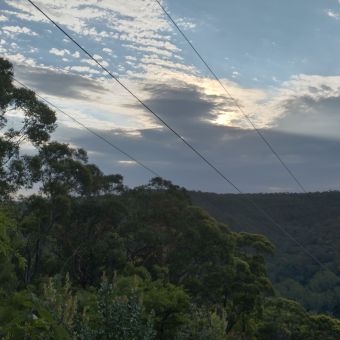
(278, 60)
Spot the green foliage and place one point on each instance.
(325, 327)
(24, 316)
(116, 318)
(203, 324)
(61, 302)
(285, 319)
(170, 306)
(313, 220)
(10, 256)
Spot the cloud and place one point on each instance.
(11, 30)
(237, 153)
(235, 74)
(312, 116)
(155, 60)
(76, 55)
(333, 14)
(187, 107)
(19, 58)
(127, 162)
(98, 101)
(64, 52)
(139, 26)
(186, 23)
(191, 105)
(107, 50)
(307, 104)
(149, 49)
(56, 83)
(98, 57)
(59, 53)
(83, 69)
(93, 63)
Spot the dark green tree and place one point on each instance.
(33, 123)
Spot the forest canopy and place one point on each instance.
(313, 219)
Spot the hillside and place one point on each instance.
(313, 220)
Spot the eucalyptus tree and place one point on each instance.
(32, 122)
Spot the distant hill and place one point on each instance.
(312, 219)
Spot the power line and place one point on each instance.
(249, 200)
(89, 130)
(105, 140)
(264, 139)
(258, 131)
(136, 97)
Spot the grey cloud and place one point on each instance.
(312, 115)
(238, 153)
(185, 107)
(243, 158)
(179, 103)
(57, 83)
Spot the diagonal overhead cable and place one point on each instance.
(93, 132)
(225, 178)
(229, 94)
(136, 97)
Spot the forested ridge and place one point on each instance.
(313, 219)
(86, 257)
